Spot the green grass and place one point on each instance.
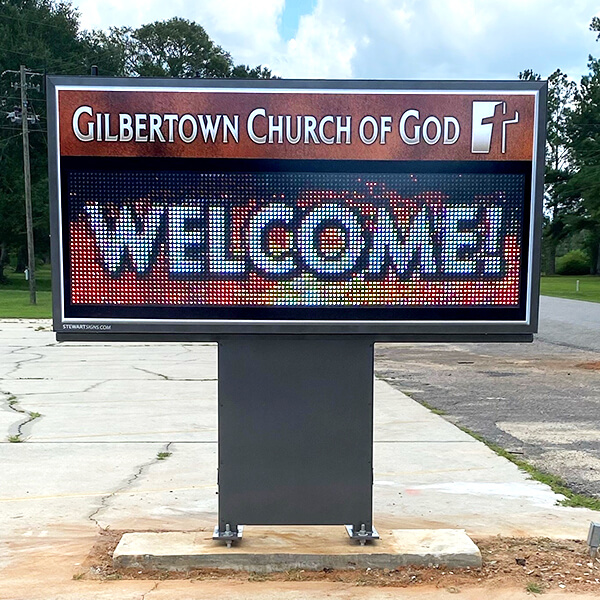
(14, 296)
(565, 286)
(557, 484)
(534, 588)
(429, 407)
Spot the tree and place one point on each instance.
(584, 131)
(113, 52)
(45, 35)
(173, 48)
(583, 127)
(41, 33)
(561, 209)
(179, 48)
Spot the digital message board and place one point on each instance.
(203, 208)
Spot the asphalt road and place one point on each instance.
(540, 400)
(570, 323)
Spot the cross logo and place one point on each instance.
(488, 118)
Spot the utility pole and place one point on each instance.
(27, 178)
(25, 119)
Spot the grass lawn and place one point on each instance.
(564, 286)
(14, 296)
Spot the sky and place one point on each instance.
(380, 39)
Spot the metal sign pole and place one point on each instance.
(295, 433)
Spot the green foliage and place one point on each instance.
(529, 75)
(595, 26)
(559, 207)
(556, 484)
(112, 51)
(178, 48)
(533, 587)
(45, 36)
(174, 48)
(245, 72)
(572, 190)
(40, 33)
(16, 281)
(576, 262)
(584, 134)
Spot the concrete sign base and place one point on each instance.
(285, 548)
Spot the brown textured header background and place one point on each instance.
(519, 144)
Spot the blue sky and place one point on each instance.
(290, 17)
(381, 39)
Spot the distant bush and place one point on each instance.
(575, 262)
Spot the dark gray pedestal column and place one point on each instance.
(295, 432)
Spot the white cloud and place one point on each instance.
(322, 48)
(248, 29)
(396, 39)
(465, 38)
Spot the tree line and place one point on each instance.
(46, 36)
(572, 178)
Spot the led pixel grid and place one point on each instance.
(294, 239)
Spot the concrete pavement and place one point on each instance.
(109, 412)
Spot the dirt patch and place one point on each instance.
(590, 366)
(536, 564)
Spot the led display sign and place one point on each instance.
(399, 210)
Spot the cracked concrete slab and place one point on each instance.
(186, 413)
(180, 490)
(7, 415)
(36, 368)
(97, 515)
(21, 418)
(44, 485)
(49, 387)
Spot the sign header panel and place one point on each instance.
(390, 209)
(358, 125)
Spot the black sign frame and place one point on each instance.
(519, 326)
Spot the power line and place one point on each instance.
(37, 23)
(36, 12)
(8, 128)
(23, 53)
(24, 84)
(44, 58)
(10, 137)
